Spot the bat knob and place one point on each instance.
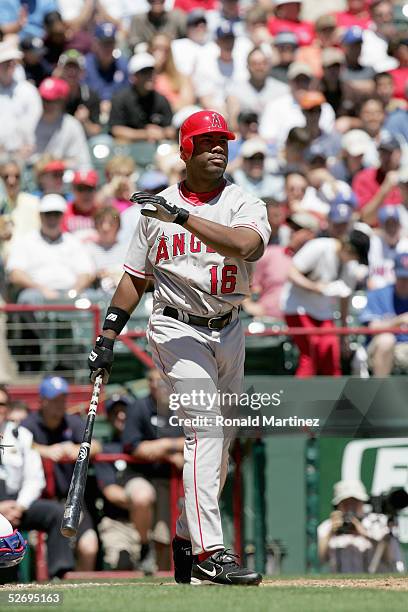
(68, 532)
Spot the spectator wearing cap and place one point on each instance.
(326, 38)
(332, 62)
(377, 37)
(215, 71)
(20, 105)
(285, 113)
(286, 18)
(386, 242)
(354, 146)
(49, 174)
(230, 12)
(357, 80)
(252, 176)
(398, 49)
(339, 220)
(120, 184)
(357, 14)
(186, 50)
(79, 215)
(120, 540)
(107, 252)
(57, 435)
(150, 438)
(83, 103)
(327, 145)
(57, 132)
(21, 485)
(376, 187)
(47, 264)
(253, 93)
(348, 539)
(285, 46)
(156, 20)
(272, 270)
(388, 308)
(36, 67)
(322, 272)
(106, 72)
(174, 85)
(139, 112)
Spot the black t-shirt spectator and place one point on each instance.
(71, 429)
(134, 111)
(88, 98)
(107, 474)
(143, 423)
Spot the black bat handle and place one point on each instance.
(73, 505)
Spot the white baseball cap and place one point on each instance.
(356, 142)
(280, 2)
(349, 488)
(52, 203)
(253, 146)
(9, 51)
(140, 61)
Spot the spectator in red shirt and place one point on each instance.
(79, 216)
(375, 187)
(398, 48)
(190, 5)
(287, 19)
(357, 13)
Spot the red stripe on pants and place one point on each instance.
(318, 354)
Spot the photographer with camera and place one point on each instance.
(350, 539)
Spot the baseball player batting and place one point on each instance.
(198, 241)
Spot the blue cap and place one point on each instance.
(352, 35)
(388, 212)
(115, 399)
(105, 31)
(152, 179)
(401, 265)
(347, 197)
(286, 38)
(52, 386)
(225, 30)
(388, 142)
(340, 213)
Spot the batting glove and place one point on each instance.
(101, 358)
(157, 207)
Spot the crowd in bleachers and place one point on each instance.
(92, 94)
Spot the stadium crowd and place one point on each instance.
(92, 95)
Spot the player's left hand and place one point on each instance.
(157, 207)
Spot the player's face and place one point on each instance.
(210, 155)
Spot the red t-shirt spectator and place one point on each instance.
(304, 30)
(400, 78)
(270, 276)
(367, 182)
(345, 19)
(74, 221)
(190, 5)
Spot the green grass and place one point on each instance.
(162, 597)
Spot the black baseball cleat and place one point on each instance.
(222, 568)
(183, 560)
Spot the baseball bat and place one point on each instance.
(73, 505)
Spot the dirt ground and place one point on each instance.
(384, 583)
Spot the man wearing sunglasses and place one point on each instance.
(79, 216)
(139, 112)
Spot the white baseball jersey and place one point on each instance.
(188, 274)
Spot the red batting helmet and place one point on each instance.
(202, 122)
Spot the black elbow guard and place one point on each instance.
(116, 319)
